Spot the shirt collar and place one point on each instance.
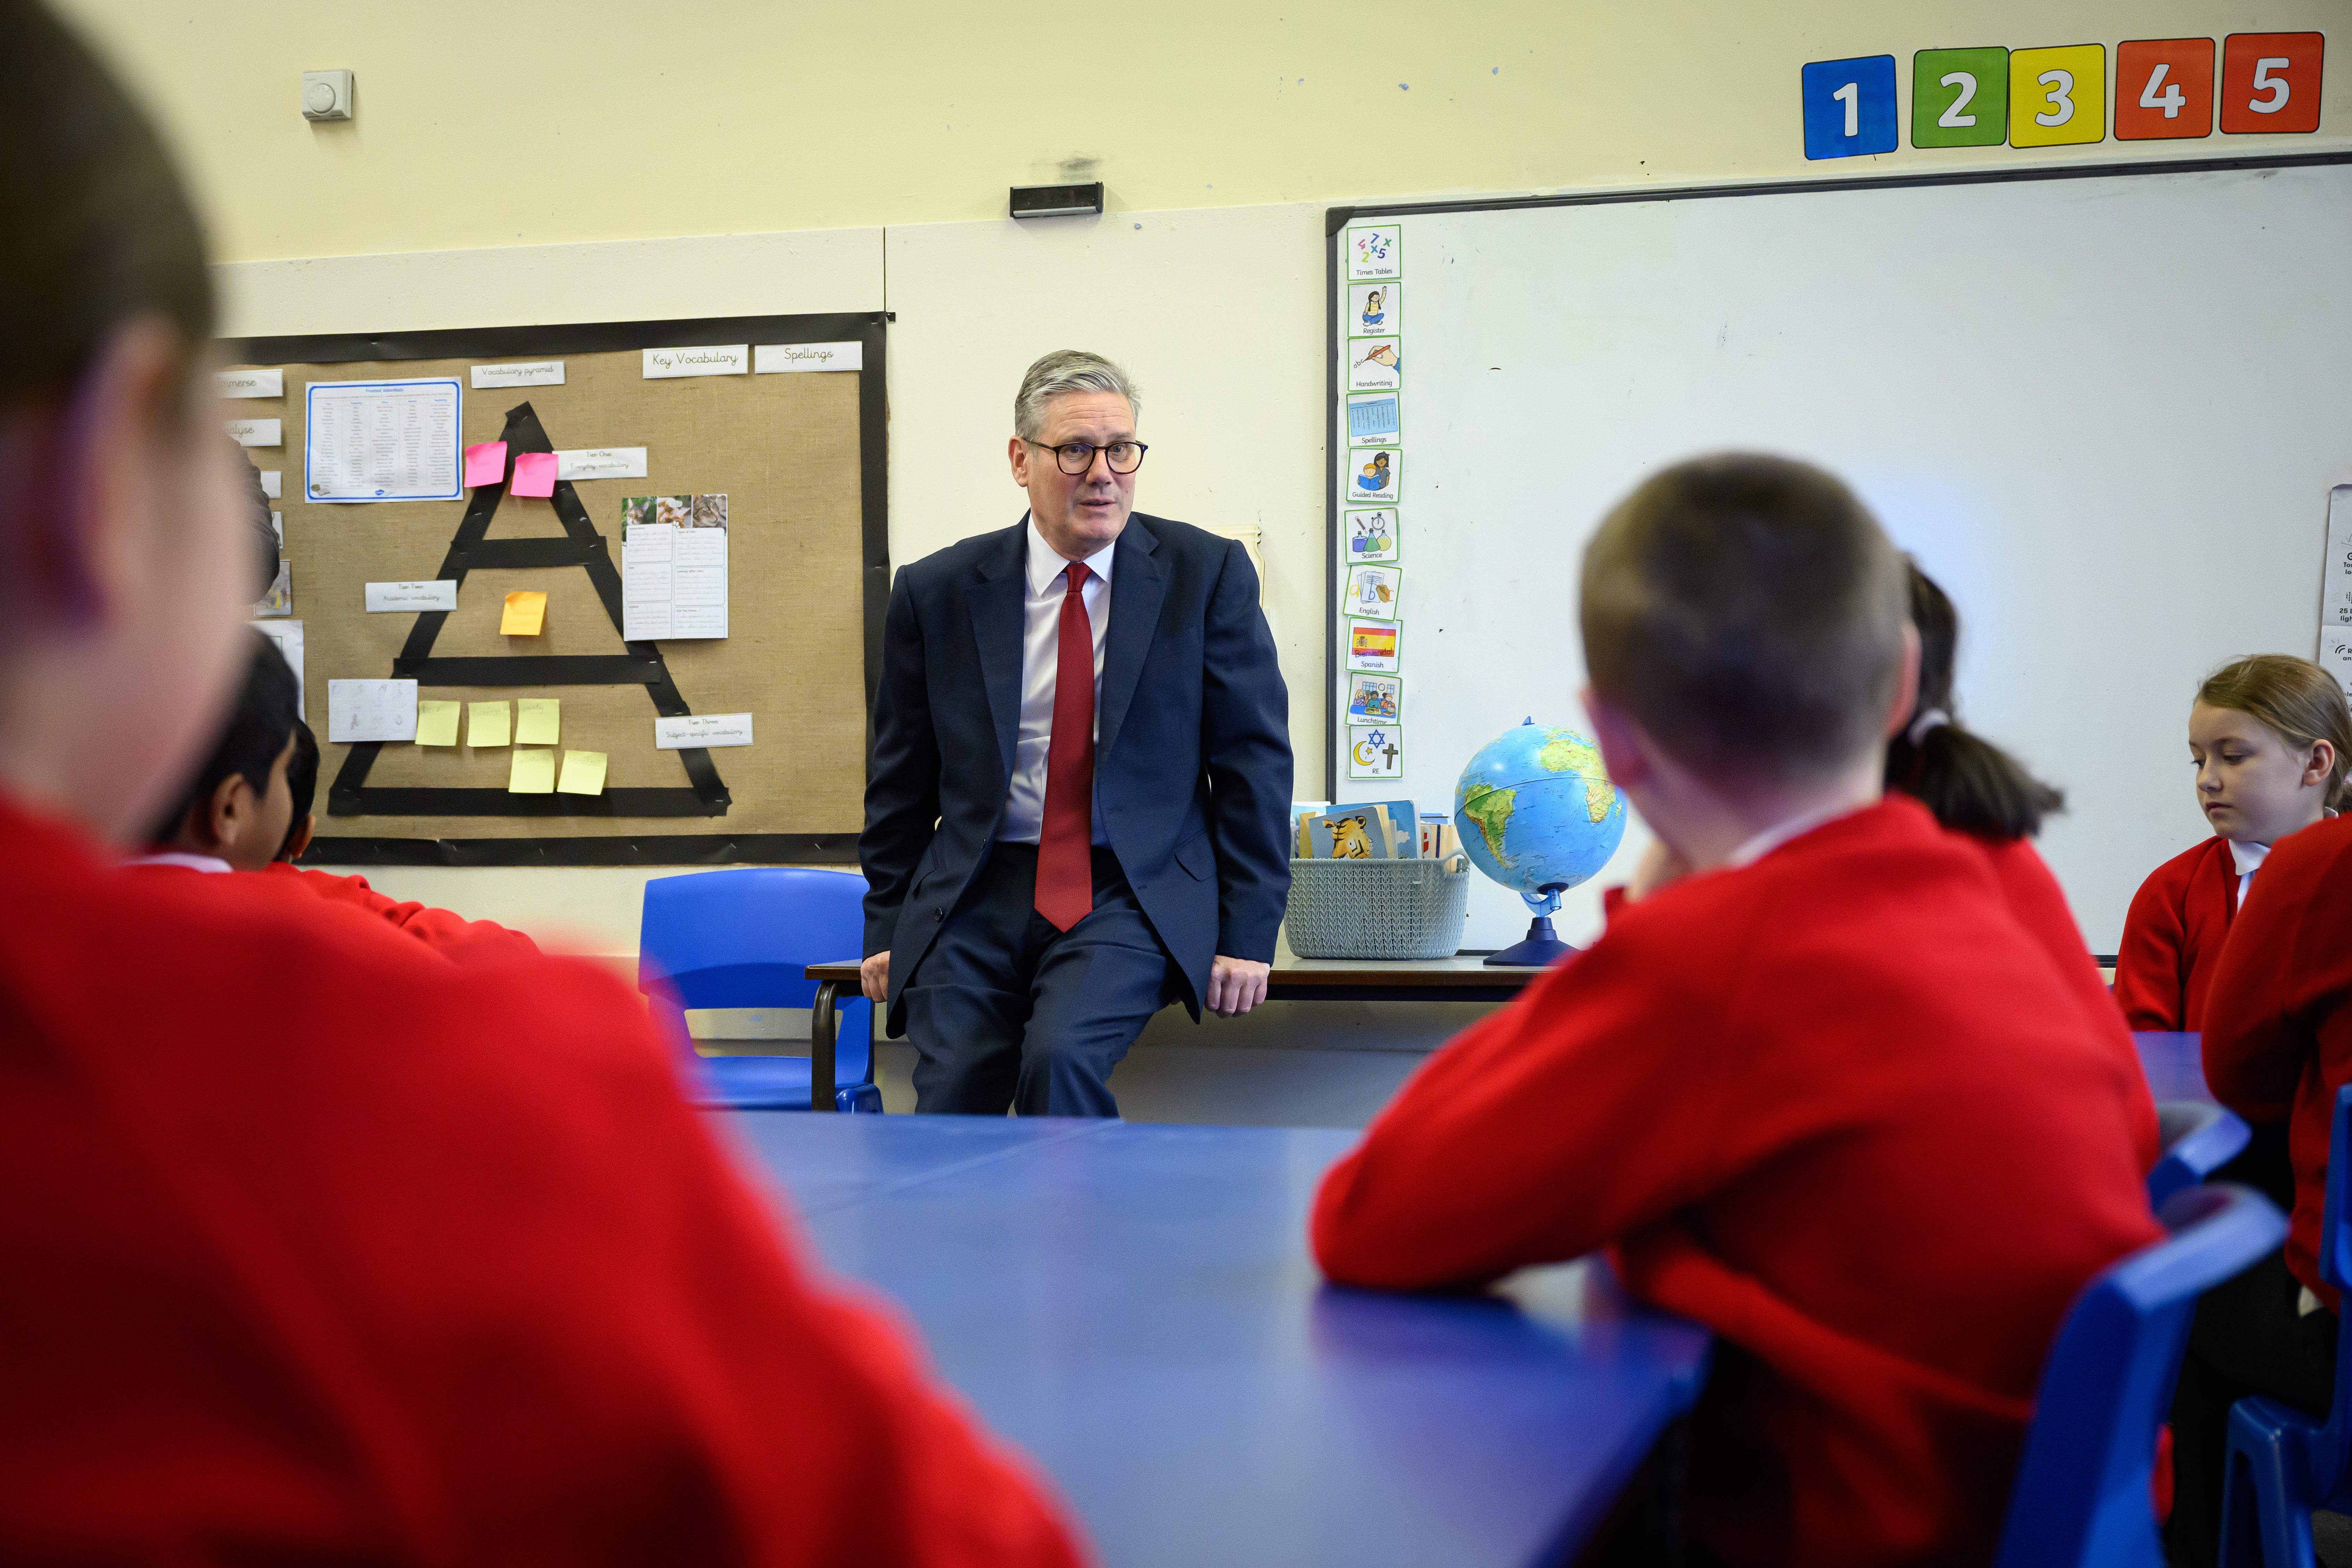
(181, 857)
(1045, 564)
(2248, 859)
(1780, 833)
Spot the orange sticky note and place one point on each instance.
(486, 464)
(524, 615)
(534, 474)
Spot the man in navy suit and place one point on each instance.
(1053, 861)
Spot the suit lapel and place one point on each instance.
(995, 602)
(1138, 584)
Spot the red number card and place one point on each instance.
(2164, 87)
(2269, 82)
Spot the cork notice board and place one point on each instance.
(800, 458)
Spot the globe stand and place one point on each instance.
(1542, 948)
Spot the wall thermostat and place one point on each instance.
(326, 95)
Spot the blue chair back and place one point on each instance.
(742, 938)
(2331, 1449)
(2082, 1493)
(2198, 1139)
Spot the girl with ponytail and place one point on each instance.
(2271, 737)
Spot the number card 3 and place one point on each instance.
(2164, 87)
(2057, 97)
(1849, 107)
(1959, 97)
(2270, 81)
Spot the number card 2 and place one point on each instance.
(1849, 107)
(1959, 97)
(2270, 81)
(2058, 96)
(2164, 88)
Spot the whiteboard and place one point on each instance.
(2103, 412)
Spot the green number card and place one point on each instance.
(1959, 97)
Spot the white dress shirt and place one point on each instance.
(1041, 637)
(2247, 859)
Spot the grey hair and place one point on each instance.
(1066, 370)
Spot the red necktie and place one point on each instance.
(1066, 872)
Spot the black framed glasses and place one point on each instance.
(1078, 457)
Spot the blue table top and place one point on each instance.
(1135, 1306)
(2175, 1065)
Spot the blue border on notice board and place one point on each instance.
(457, 436)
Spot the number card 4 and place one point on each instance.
(1959, 97)
(1850, 106)
(2058, 96)
(2270, 81)
(2164, 88)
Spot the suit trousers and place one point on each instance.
(1006, 1011)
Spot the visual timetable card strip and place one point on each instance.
(1370, 536)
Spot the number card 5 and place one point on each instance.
(2270, 81)
(1850, 106)
(2057, 97)
(2164, 88)
(1959, 97)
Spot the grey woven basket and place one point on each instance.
(1378, 909)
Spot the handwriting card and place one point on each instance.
(436, 723)
(1375, 364)
(583, 773)
(371, 711)
(488, 723)
(537, 721)
(532, 771)
(526, 614)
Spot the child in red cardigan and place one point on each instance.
(320, 1248)
(2271, 737)
(1814, 1086)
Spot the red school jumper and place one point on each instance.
(2172, 938)
(1837, 1105)
(2278, 1019)
(455, 1278)
(473, 940)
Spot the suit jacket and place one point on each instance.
(1192, 748)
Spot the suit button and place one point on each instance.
(940, 914)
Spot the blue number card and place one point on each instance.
(1850, 106)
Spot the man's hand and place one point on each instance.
(1235, 984)
(874, 977)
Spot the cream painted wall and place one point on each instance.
(528, 163)
(531, 123)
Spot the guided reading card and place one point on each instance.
(583, 773)
(532, 771)
(1371, 535)
(526, 613)
(1373, 591)
(371, 711)
(436, 723)
(1375, 364)
(1375, 698)
(488, 723)
(1372, 420)
(1374, 309)
(1372, 646)
(1376, 754)
(539, 721)
(1375, 251)
(1375, 473)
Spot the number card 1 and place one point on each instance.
(2270, 81)
(2164, 88)
(1850, 106)
(2058, 96)
(1959, 97)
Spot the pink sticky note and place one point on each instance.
(534, 474)
(486, 464)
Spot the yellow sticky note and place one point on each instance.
(533, 772)
(525, 611)
(487, 723)
(437, 723)
(583, 773)
(537, 721)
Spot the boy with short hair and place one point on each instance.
(237, 811)
(1813, 1087)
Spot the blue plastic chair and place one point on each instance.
(743, 939)
(2281, 1464)
(2198, 1140)
(2082, 1493)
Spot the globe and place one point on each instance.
(1537, 813)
